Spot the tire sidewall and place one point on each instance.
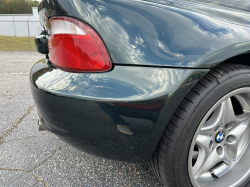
(195, 115)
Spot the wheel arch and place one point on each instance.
(243, 59)
(229, 54)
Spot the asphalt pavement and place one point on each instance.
(29, 157)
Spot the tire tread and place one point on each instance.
(161, 162)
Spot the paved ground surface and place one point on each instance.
(32, 158)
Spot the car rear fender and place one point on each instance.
(171, 34)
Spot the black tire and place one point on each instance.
(170, 159)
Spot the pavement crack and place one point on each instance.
(22, 170)
(10, 130)
(39, 179)
(133, 176)
(52, 154)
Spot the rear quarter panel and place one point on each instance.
(162, 33)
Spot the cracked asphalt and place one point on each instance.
(32, 158)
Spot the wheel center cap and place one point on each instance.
(219, 137)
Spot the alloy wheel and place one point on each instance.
(219, 153)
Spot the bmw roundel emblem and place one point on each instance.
(219, 137)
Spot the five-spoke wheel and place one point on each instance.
(221, 139)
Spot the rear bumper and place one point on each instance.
(84, 109)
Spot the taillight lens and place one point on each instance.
(75, 46)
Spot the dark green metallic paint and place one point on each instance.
(174, 33)
(41, 42)
(84, 109)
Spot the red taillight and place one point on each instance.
(75, 46)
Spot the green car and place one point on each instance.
(160, 81)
